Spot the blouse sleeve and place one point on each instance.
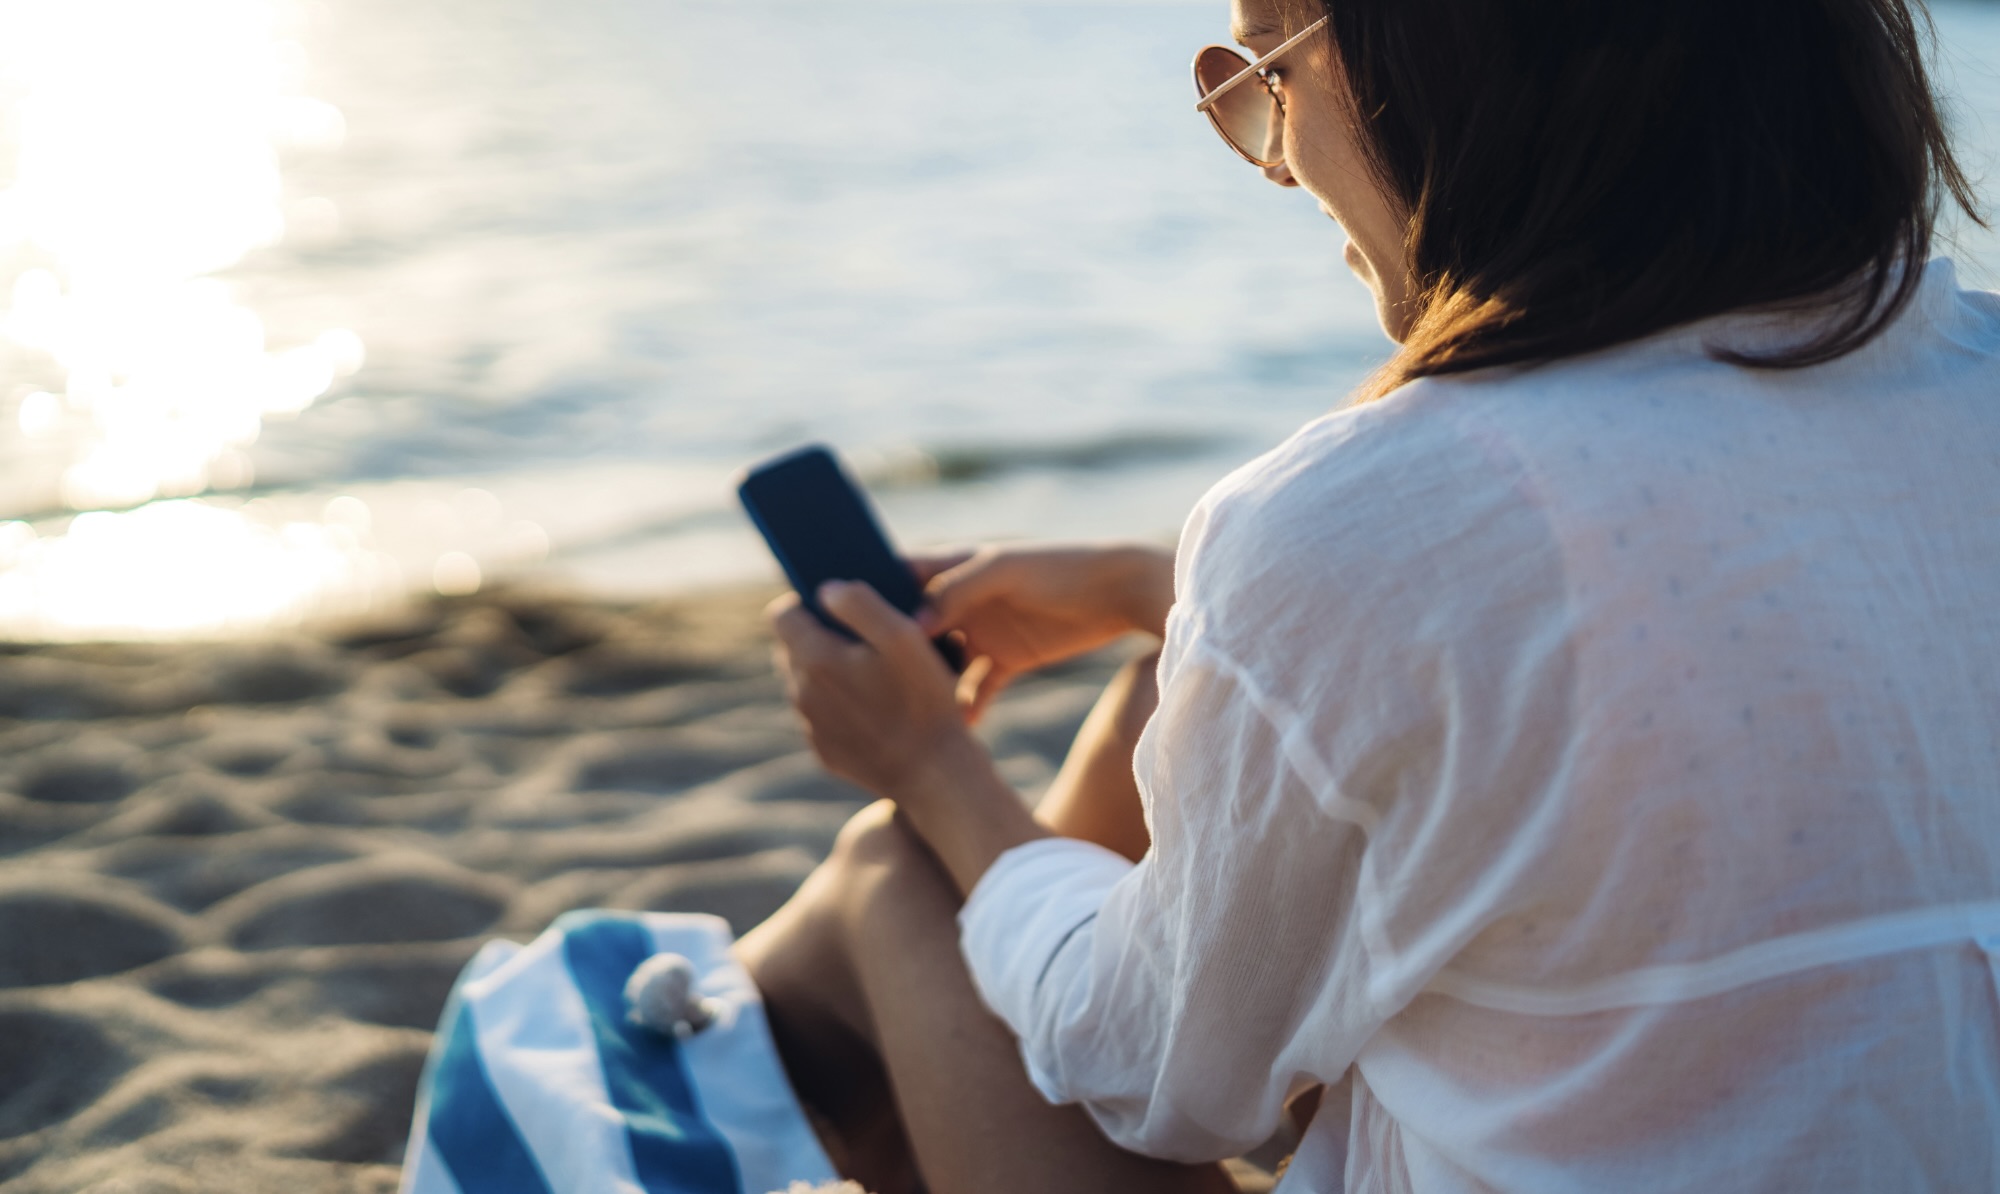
(1182, 999)
(1335, 706)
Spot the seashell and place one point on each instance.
(662, 996)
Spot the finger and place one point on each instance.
(861, 609)
(781, 662)
(967, 689)
(929, 564)
(776, 614)
(798, 631)
(780, 613)
(951, 594)
(990, 686)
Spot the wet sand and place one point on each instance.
(236, 881)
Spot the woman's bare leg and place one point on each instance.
(1095, 797)
(886, 1039)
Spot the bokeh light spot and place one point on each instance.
(456, 574)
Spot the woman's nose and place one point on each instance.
(1281, 174)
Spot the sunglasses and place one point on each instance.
(1250, 119)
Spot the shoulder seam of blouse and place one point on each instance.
(1777, 957)
(1296, 752)
(1293, 745)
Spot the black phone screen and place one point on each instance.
(820, 527)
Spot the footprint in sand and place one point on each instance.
(407, 750)
(55, 1064)
(195, 872)
(361, 1107)
(743, 890)
(670, 761)
(247, 755)
(95, 771)
(276, 675)
(369, 901)
(59, 930)
(612, 671)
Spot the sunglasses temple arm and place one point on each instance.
(1208, 101)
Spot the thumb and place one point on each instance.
(861, 609)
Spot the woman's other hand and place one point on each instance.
(882, 713)
(1022, 607)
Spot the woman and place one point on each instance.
(1573, 765)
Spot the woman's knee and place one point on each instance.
(807, 956)
(870, 837)
(870, 844)
(881, 868)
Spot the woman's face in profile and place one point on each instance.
(1322, 154)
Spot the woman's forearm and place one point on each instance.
(1146, 585)
(968, 815)
(956, 801)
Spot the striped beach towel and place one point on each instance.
(539, 1082)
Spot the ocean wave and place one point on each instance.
(967, 463)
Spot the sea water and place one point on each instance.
(508, 289)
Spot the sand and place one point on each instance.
(236, 881)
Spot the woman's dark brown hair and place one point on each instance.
(1580, 173)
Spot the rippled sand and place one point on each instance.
(236, 882)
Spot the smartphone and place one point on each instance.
(819, 525)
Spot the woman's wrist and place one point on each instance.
(1146, 586)
(962, 808)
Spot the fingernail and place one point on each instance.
(831, 589)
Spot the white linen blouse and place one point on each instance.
(1589, 772)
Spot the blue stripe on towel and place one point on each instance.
(675, 1150)
(468, 1126)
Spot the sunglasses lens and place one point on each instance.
(1246, 114)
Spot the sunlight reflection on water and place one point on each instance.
(148, 151)
(179, 567)
(595, 272)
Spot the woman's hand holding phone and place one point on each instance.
(1023, 607)
(879, 702)
(885, 711)
(879, 710)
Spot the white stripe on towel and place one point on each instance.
(534, 1035)
(733, 1065)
